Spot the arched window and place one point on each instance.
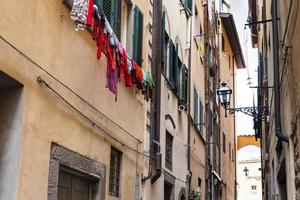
(182, 197)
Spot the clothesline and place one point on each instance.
(120, 66)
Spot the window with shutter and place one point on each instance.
(163, 42)
(177, 65)
(184, 85)
(169, 151)
(195, 106)
(224, 143)
(112, 11)
(189, 5)
(138, 36)
(201, 116)
(115, 20)
(172, 65)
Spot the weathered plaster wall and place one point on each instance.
(228, 69)
(197, 139)
(44, 32)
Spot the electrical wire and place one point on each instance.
(94, 124)
(68, 88)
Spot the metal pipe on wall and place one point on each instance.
(278, 128)
(156, 103)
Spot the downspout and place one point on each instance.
(208, 177)
(189, 109)
(156, 104)
(278, 128)
(234, 129)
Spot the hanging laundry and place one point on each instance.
(123, 64)
(79, 13)
(119, 65)
(128, 77)
(89, 18)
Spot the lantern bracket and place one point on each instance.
(258, 112)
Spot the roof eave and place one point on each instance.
(231, 31)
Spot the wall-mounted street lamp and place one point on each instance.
(258, 112)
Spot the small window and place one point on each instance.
(196, 107)
(184, 85)
(224, 143)
(199, 182)
(173, 66)
(201, 116)
(169, 151)
(188, 4)
(114, 173)
(253, 189)
(138, 29)
(223, 44)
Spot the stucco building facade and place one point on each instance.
(66, 127)
(74, 135)
(278, 73)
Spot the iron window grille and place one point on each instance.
(114, 174)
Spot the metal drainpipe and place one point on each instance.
(156, 104)
(278, 129)
(189, 107)
(234, 129)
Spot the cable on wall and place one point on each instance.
(68, 88)
(94, 124)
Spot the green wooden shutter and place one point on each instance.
(163, 42)
(138, 36)
(112, 11)
(171, 60)
(189, 4)
(201, 116)
(184, 85)
(115, 19)
(106, 5)
(195, 106)
(176, 77)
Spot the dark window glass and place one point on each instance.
(114, 173)
(224, 143)
(73, 187)
(184, 85)
(196, 107)
(169, 151)
(201, 116)
(223, 44)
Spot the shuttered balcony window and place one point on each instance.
(196, 107)
(184, 85)
(201, 116)
(138, 36)
(112, 11)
